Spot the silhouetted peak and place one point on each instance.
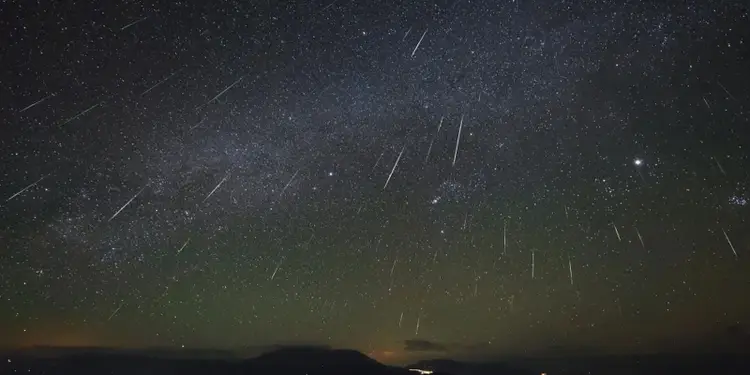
(315, 356)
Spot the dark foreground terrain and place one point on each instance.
(317, 361)
(660, 364)
(290, 361)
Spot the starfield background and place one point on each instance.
(475, 180)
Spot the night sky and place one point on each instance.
(452, 177)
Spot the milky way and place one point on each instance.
(490, 177)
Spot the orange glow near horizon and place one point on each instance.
(384, 356)
(65, 340)
(61, 335)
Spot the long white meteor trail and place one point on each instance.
(116, 310)
(726, 91)
(160, 82)
(407, 34)
(288, 183)
(639, 237)
(429, 149)
(276, 270)
(458, 139)
(393, 267)
(32, 105)
(329, 5)
(505, 238)
(418, 43)
(394, 167)
(617, 232)
(729, 242)
(570, 269)
(81, 114)
(377, 161)
(26, 188)
(216, 188)
(183, 246)
(133, 23)
(127, 203)
(223, 91)
(721, 169)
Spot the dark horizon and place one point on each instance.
(727, 340)
(420, 351)
(326, 361)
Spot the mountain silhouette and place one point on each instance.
(283, 361)
(296, 358)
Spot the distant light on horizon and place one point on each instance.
(421, 371)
